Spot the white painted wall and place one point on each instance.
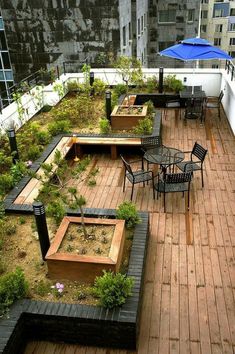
(212, 81)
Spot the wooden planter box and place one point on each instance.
(83, 267)
(126, 121)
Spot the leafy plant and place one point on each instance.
(73, 85)
(144, 126)
(120, 89)
(130, 70)
(33, 152)
(58, 289)
(42, 288)
(104, 126)
(150, 107)
(173, 84)
(99, 87)
(78, 202)
(10, 228)
(57, 210)
(42, 137)
(13, 286)
(151, 84)
(62, 126)
(113, 289)
(127, 211)
(6, 183)
(59, 88)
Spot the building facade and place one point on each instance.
(218, 24)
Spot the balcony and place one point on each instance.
(188, 300)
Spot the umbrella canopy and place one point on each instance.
(195, 49)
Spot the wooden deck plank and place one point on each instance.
(189, 290)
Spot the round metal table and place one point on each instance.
(164, 156)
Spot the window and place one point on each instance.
(204, 1)
(219, 13)
(204, 14)
(232, 54)
(218, 28)
(138, 29)
(232, 12)
(1, 23)
(232, 41)
(124, 36)
(145, 20)
(164, 45)
(203, 28)
(217, 41)
(191, 15)
(167, 16)
(142, 24)
(232, 27)
(130, 34)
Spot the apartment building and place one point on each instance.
(218, 23)
(6, 75)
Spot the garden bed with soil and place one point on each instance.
(76, 323)
(127, 117)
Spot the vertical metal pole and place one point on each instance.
(108, 104)
(13, 145)
(160, 89)
(92, 78)
(64, 67)
(40, 218)
(58, 71)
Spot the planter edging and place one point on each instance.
(87, 325)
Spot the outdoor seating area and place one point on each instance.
(188, 300)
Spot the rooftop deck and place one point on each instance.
(189, 292)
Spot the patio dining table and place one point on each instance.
(164, 156)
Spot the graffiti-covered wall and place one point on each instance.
(41, 32)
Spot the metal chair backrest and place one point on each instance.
(197, 88)
(221, 95)
(178, 177)
(199, 152)
(150, 142)
(127, 165)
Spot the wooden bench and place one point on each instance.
(112, 142)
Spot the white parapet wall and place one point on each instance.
(212, 81)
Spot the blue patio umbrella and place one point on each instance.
(195, 49)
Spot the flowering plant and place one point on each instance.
(58, 289)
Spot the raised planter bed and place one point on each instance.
(85, 268)
(126, 118)
(74, 323)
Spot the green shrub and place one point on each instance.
(99, 87)
(2, 267)
(10, 228)
(120, 89)
(42, 137)
(173, 84)
(22, 220)
(151, 84)
(127, 211)
(62, 126)
(114, 100)
(6, 183)
(18, 171)
(42, 288)
(144, 126)
(73, 85)
(33, 152)
(104, 126)
(113, 289)
(13, 286)
(57, 210)
(150, 107)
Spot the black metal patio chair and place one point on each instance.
(150, 142)
(194, 108)
(173, 183)
(213, 102)
(138, 176)
(195, 163)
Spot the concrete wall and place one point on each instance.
(52, 31)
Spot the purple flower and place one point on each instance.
(28, 163)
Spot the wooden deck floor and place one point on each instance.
(189, 291)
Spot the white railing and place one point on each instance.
(212, 81)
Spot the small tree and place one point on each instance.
(131, 71)
(78, 202)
